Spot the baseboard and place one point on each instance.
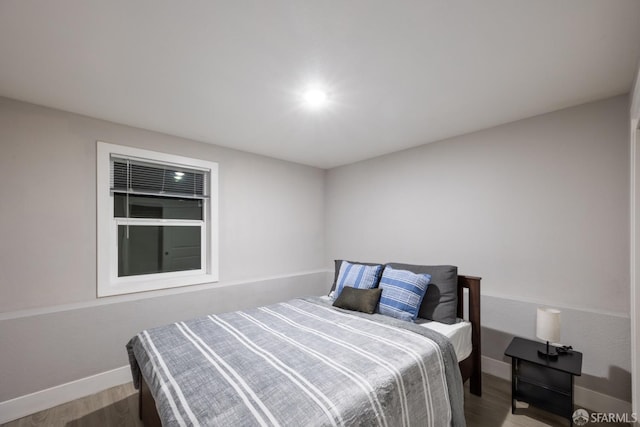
(583, 397)
(497, 368)
(31, 403)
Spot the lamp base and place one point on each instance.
(552, 355)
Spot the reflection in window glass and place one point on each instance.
(149, 249)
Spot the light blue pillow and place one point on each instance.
(402, 293)
(357, 276)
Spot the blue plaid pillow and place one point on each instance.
(402, 293)
(357, 276)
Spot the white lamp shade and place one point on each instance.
(548, 324)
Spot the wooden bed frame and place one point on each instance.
(470, 368)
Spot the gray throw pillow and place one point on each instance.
(440, 302)
(364, 300)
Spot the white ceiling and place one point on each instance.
(400, 73)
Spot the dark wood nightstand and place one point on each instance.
(547, 384)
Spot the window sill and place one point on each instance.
(144, 285)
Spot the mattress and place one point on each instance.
(458, 333)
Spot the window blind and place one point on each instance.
(134, 176)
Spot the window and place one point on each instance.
(157, 220)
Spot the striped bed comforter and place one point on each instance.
(299, 363)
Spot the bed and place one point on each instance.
(305, 362)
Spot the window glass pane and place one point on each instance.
(156, 207)
(157, 249)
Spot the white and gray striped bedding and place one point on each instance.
(299, 363)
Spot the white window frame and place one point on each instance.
(109, 283)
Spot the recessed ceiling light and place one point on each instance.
(315, 97)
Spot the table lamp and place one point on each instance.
(548, 329)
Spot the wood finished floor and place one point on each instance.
(118, 406)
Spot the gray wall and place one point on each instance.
(52, 327)
(538, 208)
